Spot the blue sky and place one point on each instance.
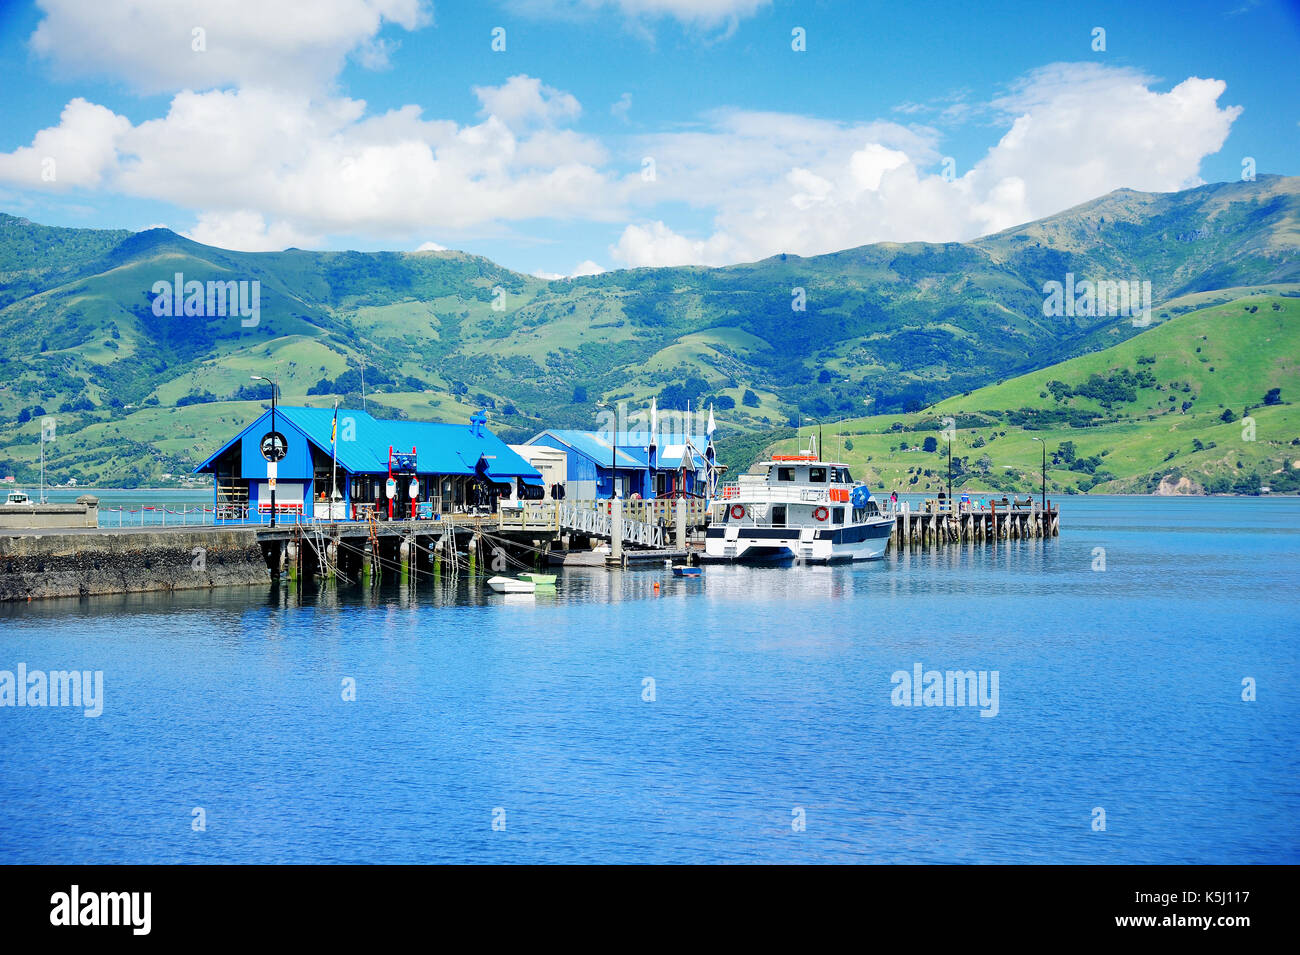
(393, 124)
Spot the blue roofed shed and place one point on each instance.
(636, 464)
(347, 457)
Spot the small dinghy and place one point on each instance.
(539, 580)
(509, 585)
(682, 570)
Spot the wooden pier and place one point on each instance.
(78, 562)
(72, 562)
(932, 525)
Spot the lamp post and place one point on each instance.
(275, 388)
(1043, 442)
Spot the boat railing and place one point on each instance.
(776, 493)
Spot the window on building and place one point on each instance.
(785, 474)
(817, 475)
(837, 515)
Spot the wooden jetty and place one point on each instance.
(932, 524)
(76, 562)
(84, 561)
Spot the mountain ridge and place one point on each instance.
(438, 334)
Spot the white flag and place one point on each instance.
(712, 424)
(654, 423)
(47, 429)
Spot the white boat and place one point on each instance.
(511, 585)
(798, 507)
(18, 499)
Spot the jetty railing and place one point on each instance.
(161, 515)
(661, 511)
(598, 522)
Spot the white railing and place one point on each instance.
(776, 493)
(597, 522)
(588, 517)
(662, 511)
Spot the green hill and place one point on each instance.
(1185, 404)
(439, 334)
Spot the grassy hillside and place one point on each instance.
(893, 327)
(1166, 406)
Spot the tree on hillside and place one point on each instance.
(930, 444)
(1227, 415)
(749, 399)
(579, 395)
(1273, 396)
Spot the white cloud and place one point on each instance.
(289, 44)
(656, 245)
(268, 168)
(79, 151)
(692, 12)
(523, 100)
(246, 231)
(583, 268)
(313, 167)
(785, 184)
(431, 247)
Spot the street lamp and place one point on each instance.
(275, 388)
(1043, 442)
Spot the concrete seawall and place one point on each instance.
(71, 565)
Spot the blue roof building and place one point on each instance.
(635, 464)
(337, 464)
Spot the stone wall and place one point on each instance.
(82, 564)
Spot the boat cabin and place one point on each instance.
(797, 490)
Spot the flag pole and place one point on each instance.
(334, 463)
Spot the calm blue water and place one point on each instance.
(1118, 689)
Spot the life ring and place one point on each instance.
(821, 514)
(737, 511)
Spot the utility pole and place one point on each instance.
(42, 462)
(950, 470)
(1043, 442)
(1043, 502)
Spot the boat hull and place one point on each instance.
(741, 544)
(509, 585)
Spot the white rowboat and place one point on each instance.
(511, 585)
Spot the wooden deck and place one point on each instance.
(930, 526)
